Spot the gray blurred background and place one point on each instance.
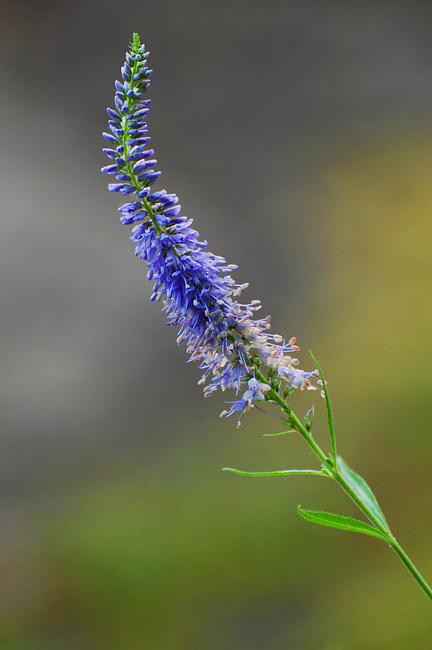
(297, 135)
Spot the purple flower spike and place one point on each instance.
(200, 296)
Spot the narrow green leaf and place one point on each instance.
(329, 408)
(281, 472)
(281, 433)
(340, 521)
(362, 490)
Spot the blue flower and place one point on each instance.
(200, 296)
(256, 391)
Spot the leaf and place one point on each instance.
(362, 490)
(281, 433)
(329, 408)
(340, 521)
(280, 472)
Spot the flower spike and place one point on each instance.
(199, 294)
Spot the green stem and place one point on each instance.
(390, 538)
(330, 465)
(297, 425)
(411, 568)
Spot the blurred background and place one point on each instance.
(298, 134)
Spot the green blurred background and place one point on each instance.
(299, 136)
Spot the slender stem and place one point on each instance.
(296, 424)
(329, 463)
(411, 568)
(390, 538)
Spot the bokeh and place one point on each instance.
(299, 137)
